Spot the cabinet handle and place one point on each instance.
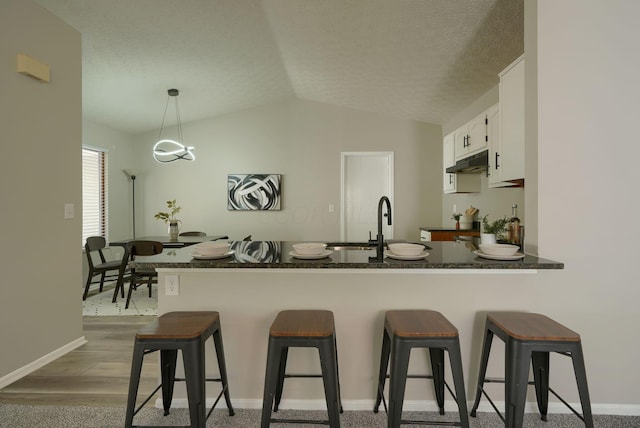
(450, 178)
(497, 156)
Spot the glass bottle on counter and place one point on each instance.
(514, 226)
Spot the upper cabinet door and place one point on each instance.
(448, 159)
(472, 137)
(456, 183)
(460, 142)
(511, 150)
(494, 171)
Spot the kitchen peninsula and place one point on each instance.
(260, 278)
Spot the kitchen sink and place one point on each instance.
(339, 246)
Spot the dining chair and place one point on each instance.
(193, 234)
(142, 276)
(108, 270)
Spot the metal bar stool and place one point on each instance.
(530, 337)
(187, 332)
(302, 328)
(407, 329)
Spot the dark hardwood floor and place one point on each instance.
(96, 374)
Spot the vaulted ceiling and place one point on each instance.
(418, 59)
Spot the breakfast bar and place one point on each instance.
(255, 280)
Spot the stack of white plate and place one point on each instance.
(406, 251)
(310, 250)
(499, 252)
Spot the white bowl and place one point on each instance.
(213, 248)
(499, 249)
(309, 248)
(406, 249)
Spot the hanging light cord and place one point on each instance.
(164, 117)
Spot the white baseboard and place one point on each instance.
(413, 406)
(40, 362)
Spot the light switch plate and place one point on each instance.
(69, 211)
(172, 285)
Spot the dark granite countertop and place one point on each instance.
(277, 254)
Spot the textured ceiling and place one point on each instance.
(418, 59)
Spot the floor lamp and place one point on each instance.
(131, 175)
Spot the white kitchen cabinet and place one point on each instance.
(471, 138)
(493, 132)
(456, 183)
(506, 156)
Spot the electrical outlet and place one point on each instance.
(171, 285)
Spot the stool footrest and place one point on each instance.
(215, 403)
(575, 412)
(135, 412)
(302, 375)
(417, 376)
(217, 379)
(446, 384)
(551, 390)
(495, 408)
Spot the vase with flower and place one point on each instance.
(170, 217)
(456, 217)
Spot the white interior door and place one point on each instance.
(365, 177)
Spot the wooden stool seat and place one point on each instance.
(529, 339)
(179, 325)
(419, 323)
(186, 332)
(529, 326)
(408, 329)
(303, 323)
(301, 328)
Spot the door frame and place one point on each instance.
(388, 193)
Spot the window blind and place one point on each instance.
(94, 193)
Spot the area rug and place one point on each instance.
(99, 304)
(16, 416)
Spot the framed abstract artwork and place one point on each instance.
(253, 192)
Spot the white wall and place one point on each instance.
(301, 140)
(40, 171)
(587, 110)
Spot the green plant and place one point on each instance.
(496, 227)
(171, 215)
(456, 216)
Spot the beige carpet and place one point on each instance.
(99, 304)
(16, 416)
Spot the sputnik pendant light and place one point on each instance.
(166, 150)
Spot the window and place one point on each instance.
(94, 193)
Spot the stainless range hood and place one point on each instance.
(473, 164)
